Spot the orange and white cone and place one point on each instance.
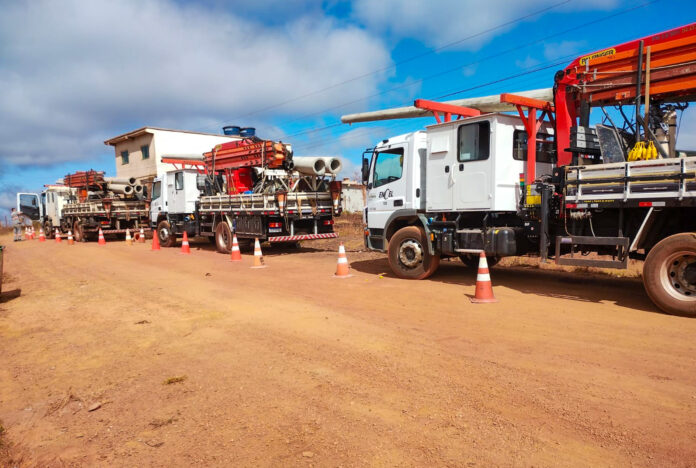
(42, 236)
(129, 239)
(71, 241)
(484, 289)
(235, 254)
(342, 268)
(185, 248)
(141, 239)
(155, 240)
(258, 256)
(26, 233)
(32, 234)
(58, 239)
(101, 241)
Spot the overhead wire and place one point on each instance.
(459, 67)
(409, 59)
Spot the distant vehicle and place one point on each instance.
(87, 202)
(253, 188)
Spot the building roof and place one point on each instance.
(144, 130)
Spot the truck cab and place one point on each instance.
(173, 205)
(460, 169)
(47, 207)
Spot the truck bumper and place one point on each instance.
(328, 235)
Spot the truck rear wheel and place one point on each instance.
(165, 234)
(78, 232)
(669, 274)
(409, 256)
(223, 238)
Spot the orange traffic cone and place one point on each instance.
(32, 234)
(71, 241)
(155, 240)
(185, 248)
(484, 288)
(141, 239)
(58, 239)
(258, 256)
(101, 241)
(342, 269)
(42, 236)
(129, 239)
(26, 233)
(235, 255)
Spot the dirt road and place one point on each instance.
(194, 360)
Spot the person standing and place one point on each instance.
(17, 222)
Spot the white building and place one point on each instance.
(139, 153)
(353, 196)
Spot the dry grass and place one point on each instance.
(173, 380)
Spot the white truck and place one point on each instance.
(546, 182)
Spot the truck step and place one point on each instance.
(621, 243)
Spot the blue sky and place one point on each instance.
(75, 73)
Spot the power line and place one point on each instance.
(476, 62)
(410, 59)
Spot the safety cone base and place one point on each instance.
(342, 276)
(483, 301)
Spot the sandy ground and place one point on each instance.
(197, 361)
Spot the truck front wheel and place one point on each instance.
(669, 274)
(223, 238)
(409, 256)
(165, 234)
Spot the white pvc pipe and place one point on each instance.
(484, 104)
(309, 165)
(333, 165)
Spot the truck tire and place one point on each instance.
(669, 274)
(472, 260)
(49, 232)
(223, 238)
(78, 232)
(165, 235)
(409, 256)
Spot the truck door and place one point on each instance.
(472, 170)
(386, 186)
(177, 193)
(28, 203)
(156, 201)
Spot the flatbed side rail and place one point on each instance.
(673, 178)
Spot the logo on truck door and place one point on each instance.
(386, 194)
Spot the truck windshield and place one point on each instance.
(389, 165)
(156, 189)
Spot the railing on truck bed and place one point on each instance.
(111, 209)
(296, 203)
(669, 181)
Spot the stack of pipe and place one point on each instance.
(124, 186)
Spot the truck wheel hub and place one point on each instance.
(411, 253)
(681, 275)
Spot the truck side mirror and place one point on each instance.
(365, 170)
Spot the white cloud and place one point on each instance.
(440, 22)
(528, 62)
(554, 50)
(75, 73)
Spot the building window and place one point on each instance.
(145, 150)
(124, 157)
(474, 141)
